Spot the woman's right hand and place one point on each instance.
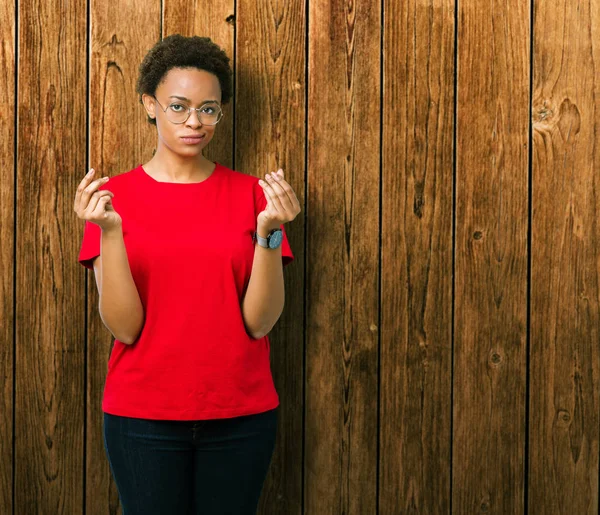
(94, 205)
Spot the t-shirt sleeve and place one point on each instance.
(90, 245)
(260, 202)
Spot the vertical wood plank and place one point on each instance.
(491, 257)
(269, 133)
(215, 20)
(49, 301)
(565, 259)
(7, 220)
(343, 257)
(120, 139)
(416, 284)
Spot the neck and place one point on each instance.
(176, 168)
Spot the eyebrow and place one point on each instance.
(188, 100)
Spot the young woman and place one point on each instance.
(188, 257)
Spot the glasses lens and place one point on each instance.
(177, 113)
(210, 114)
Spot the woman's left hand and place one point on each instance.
(282, 203)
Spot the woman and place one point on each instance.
(188, 257)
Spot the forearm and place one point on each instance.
(265, 296)
(120, 307)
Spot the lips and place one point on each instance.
(192, 139)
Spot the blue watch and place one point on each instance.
(272, 241)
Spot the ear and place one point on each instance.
(149, 104)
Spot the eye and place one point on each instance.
(208, 110)
(177, 108)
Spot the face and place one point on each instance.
(184, 87)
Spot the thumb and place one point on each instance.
(268, 204)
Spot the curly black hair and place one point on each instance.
(177, 51)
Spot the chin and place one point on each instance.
(190, 150)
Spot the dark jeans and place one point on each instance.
(208, 467)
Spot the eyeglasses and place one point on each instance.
(208, 114)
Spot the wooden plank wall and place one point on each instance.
(7, 229)
(438, 352)
(490, 302)
(565, 258)
(342, 257)
(49, 308)
(416, 257)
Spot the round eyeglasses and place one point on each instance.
(208, 114)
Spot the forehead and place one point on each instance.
(197, 85)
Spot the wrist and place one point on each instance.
(112, 231)
(264, 230)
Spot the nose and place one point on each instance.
(193, 120)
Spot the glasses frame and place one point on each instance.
(190, 109)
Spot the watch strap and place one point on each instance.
(264, 242)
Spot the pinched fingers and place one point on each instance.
(99, 211)
(281, 193)
(97, 200)
(86, 189)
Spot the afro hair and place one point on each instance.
(177, 51)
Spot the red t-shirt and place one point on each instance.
(190, 252)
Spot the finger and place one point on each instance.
(281, 193)
(274, 200)
(90, 189)
(94, 200)
(268, 191)
(89, 209)
(270, 204)
(295, 203)
(82, 185)
(279, 179)
(100, 210)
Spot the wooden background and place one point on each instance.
(438, 352)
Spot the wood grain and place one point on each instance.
(50, 344)
(7, 262)
(491, 258)
(416, 267)
(565, 271)
(216, 20)
(120, 139)
(269, 134)
(342, 257)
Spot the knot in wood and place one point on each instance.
(495, 358)
(543, 113)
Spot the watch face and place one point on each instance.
(275, 238)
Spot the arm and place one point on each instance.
(264, 299)
(120, 306)
(262, 304)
